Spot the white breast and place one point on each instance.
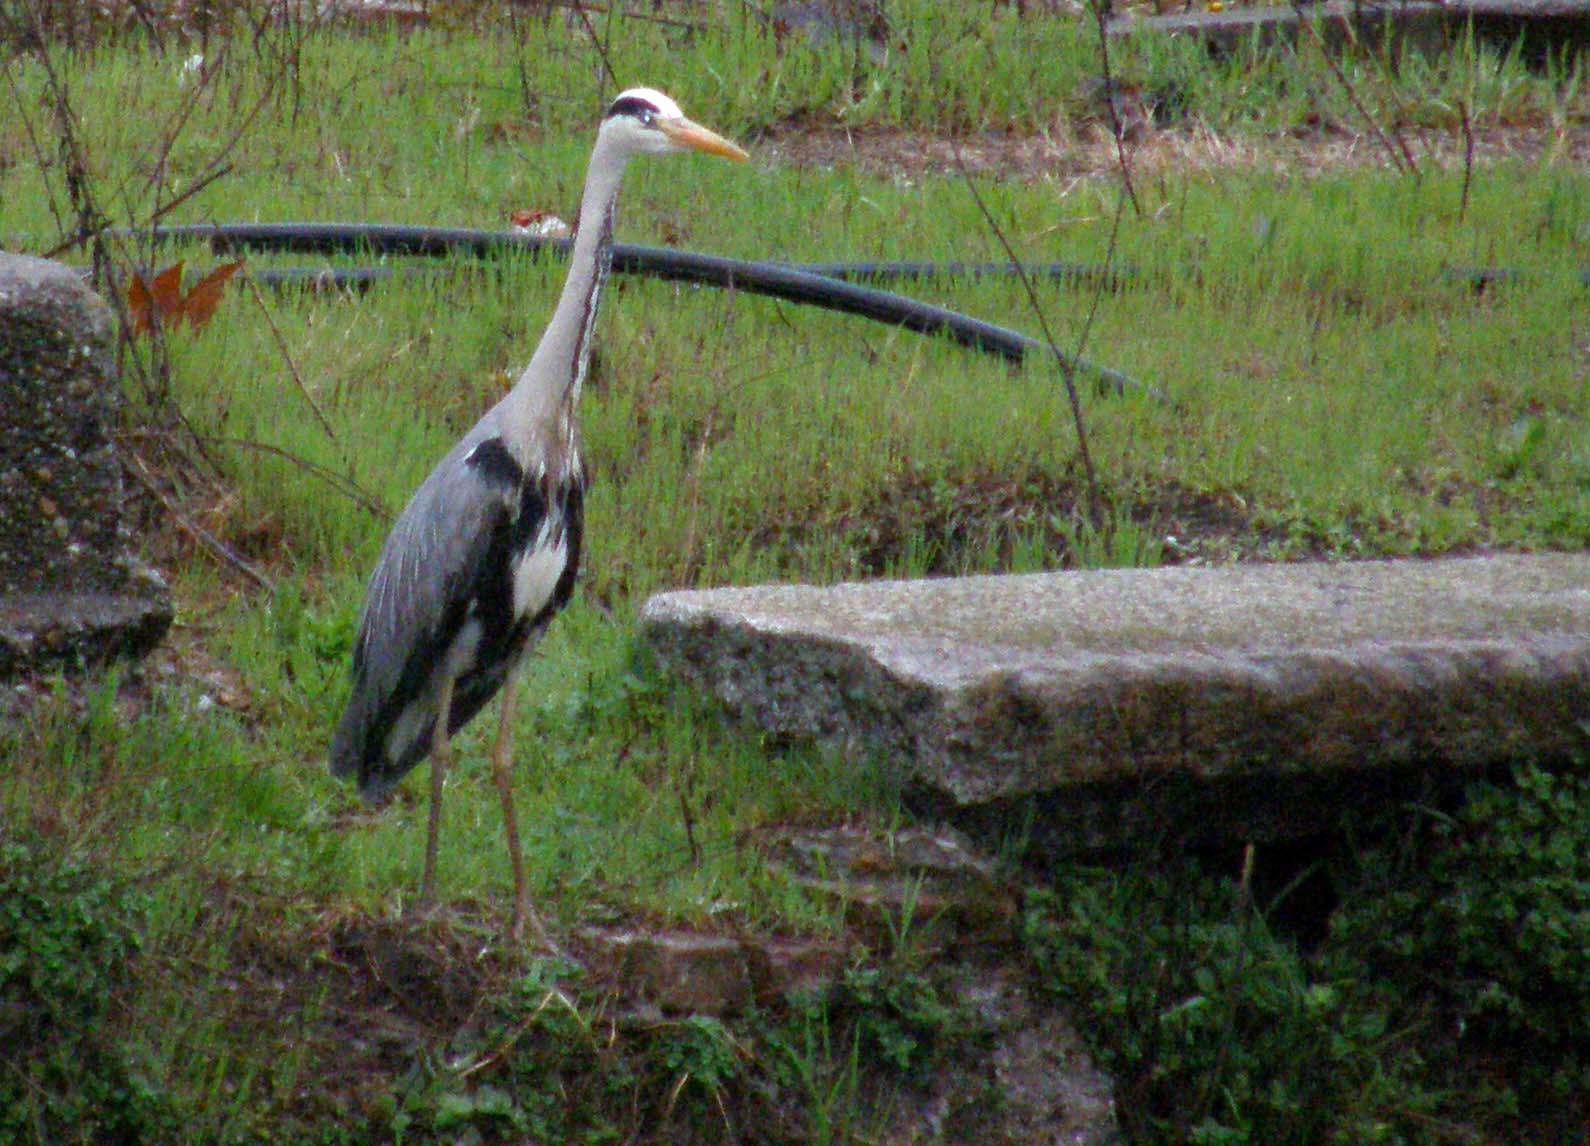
(537, 569)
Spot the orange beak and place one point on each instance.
(697, 138)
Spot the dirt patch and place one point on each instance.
(895, 153)
(432, 1024)
(947, 526)
(360, 1001)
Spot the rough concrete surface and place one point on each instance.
(1539, 27)
(1245, 700)
(70, 588)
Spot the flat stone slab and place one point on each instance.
(1431, 26)
(1247, 701)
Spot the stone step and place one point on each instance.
(1091, 709)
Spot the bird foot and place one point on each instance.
(426, 909)
(527, 920)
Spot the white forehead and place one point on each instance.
(666, 107)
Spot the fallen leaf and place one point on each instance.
(162, 294)
(542, 224)
(199, 305)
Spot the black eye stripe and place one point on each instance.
(641, 109)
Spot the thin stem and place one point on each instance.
(1401, 157)
(1101, 14)
(287, 357)
(1067, 365)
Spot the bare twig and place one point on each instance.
(39, 156)
(1401, 158)
(207, 540)
(520, 33)
(601, 48)
(216, 171)
(287, 357)
(159, 212)
(1068, 371)
(631, 14)
(343, 485)
(690, 827)
(1468, 157)
(1101, 17)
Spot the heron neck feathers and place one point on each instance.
(540, 410)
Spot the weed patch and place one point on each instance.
(69, 938)
(1445, 1002)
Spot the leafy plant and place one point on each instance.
(899, 1015)
(68, 937)
(1451, 991)
(703, 1049)
(1210, 1024)
(1489, 922)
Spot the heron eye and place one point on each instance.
(648, 117)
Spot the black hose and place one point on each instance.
(773, 279)
(1088, 275)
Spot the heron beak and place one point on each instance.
(684, 133)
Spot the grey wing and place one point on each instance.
(415, 612)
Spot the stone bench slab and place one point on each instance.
(1245, 700)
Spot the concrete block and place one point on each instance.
(71, 589)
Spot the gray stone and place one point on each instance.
(680, 972)
(685, 972)
(1430, 26)
(1092, 709)
(70, 589)
(923, 881)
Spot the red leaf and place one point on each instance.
(199, 305)
(161, 294)
(139, 304)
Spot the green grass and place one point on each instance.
(1333, 391)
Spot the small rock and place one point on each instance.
(785, 968)
(929, 882)
(677, 971)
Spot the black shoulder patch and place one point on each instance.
(492, 461)
(633, 105)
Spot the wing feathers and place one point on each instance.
(477, 545)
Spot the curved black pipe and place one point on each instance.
(1086, 275)
(773, 279)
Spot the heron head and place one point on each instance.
(649, 122)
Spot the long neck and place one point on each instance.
(541, 406)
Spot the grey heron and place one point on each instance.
(486, 551)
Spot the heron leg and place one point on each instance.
(441, 758)
(502, 771)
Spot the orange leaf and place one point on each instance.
(167, 289)
(199, 305)
(139, 304)
(161, 294)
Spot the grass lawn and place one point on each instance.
(1327, 381)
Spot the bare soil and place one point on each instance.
(895, 153)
